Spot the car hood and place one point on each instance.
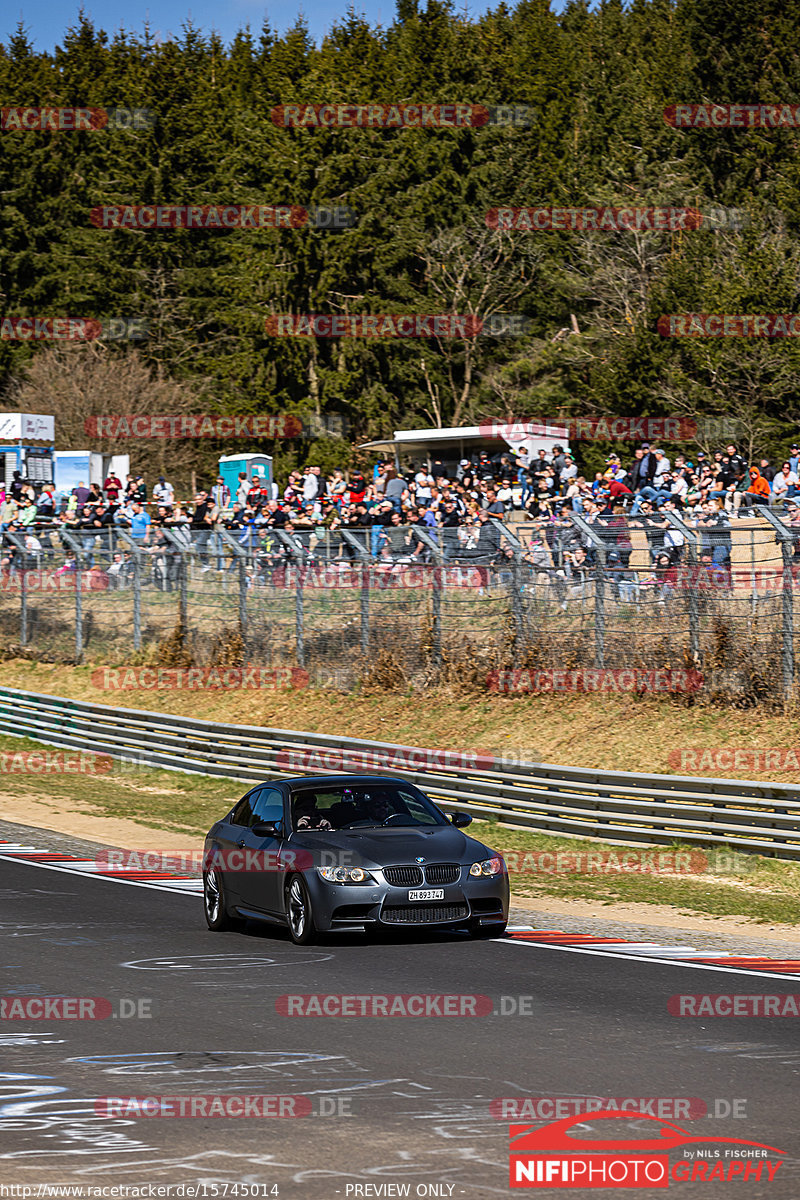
(387, 846)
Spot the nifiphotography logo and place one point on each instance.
(551, 1157)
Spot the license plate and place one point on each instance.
(431, 894)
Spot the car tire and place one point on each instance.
(214, 904)
(299, 913)
(477, 930)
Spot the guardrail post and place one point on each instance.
(786, 539)
(692, 538)
(595, 540)
(436, 594)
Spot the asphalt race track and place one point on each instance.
(394, 1100)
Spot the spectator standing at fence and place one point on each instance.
(242, 488)
(163, 492)
(202, 525)
(568, 472)
(112, 487)
(46, 505)
(140, 524)
(221, 493)
(395, 488)
(642, 468)
(311, 484)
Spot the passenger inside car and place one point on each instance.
(306, 815)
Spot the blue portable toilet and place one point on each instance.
(257, 466)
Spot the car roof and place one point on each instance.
(295, 781)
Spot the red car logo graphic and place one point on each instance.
(554, 1137)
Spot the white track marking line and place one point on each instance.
(156, 887)
(667, 962)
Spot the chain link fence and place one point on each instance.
(411, 606)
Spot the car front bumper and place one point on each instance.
(353, 906)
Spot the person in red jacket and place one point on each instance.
(112, 488)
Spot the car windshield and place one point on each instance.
(367, 806)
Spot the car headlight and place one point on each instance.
(344, 875)
(489, 866)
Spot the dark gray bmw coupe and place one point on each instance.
(350, 852)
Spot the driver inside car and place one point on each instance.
(378, 808)
(307, 815)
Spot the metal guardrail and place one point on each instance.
(569, 801)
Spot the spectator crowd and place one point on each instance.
(402, 515)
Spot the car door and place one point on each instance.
(261, 880)
(229, 840)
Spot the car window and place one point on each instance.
(267, 805)
(371, 804)
(242, 813)
(261, 804)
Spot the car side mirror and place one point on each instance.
(267, 829)
(461, 820)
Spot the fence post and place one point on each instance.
(137, 586)
(517, 607)
(23, 610)
(692, 538)
(366, 577)
(298, 552)
(597, 542)
(436, 594)
(78, 551)
(241, 557)
(19, 543)
(784, 536)
(299, 629)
